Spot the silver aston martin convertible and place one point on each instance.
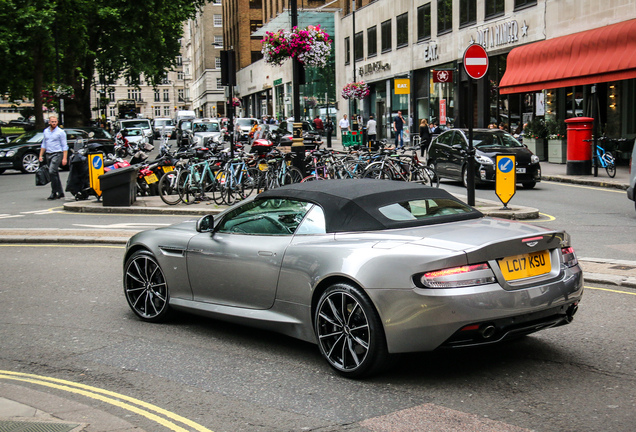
(363, 268)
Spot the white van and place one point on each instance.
(184, 115)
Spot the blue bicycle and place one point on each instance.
(606, 160)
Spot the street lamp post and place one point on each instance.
(298, 146)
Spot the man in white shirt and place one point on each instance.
(371, 130)
(344, 124)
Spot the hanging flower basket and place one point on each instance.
(311, 102)
(236, 102)
(53, 92)
(355, 90)
(311, 46)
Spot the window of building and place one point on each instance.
(402, 27)
(255, 25)
(256, 56)
(166, 111)
(157, 97)
(180, 95)
(385, 28)
(256, 4)
(218, 83)
(166, 95)
(111, 111)
(217, 62)
(218, 41)
(359, 46)
(372, 41)
(444, 16)
(180, 76)
(424, 22)
(467, 12)
(134, 94)
(347, 47)
(179, 60)
(524, 3)
(111, 95)
(494, 8)
(218, 20)
(157, 111)
(165, 80)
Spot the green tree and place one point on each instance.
(138, 40)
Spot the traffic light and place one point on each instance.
(228, 68)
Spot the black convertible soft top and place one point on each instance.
(353, 205)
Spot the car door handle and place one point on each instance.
(266, 253)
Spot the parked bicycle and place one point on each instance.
(602, 158)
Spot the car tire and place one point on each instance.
(29, 163)
(2, 170)
(145, 287)
(349, 332)
(529, 185)
(465, 176)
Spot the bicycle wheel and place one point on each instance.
(228, 188)
(168, 190)
(249, 182)
(377, 172)
(611, 170)
(293, 175)
(219, 182)
(184, 187)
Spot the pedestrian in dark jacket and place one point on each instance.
(425, 136)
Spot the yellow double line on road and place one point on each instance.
(119, 400)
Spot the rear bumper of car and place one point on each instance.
(427, 319)
(630, 193)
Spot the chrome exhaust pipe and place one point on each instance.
(488, 331)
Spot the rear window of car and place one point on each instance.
(246, 122)
(206, 127)
(144, 124)
(423, 209)
(166, 122)
(499, 139)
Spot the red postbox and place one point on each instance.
(579, 160)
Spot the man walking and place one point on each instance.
(371, 131)
(55, 147)
(398, 127)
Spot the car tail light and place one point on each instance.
(457, 277)
(569, 257)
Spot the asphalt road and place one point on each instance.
(64, 315)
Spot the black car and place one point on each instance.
(23, 123)
(447, 154)
(23, 152)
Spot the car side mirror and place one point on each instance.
(205, 224)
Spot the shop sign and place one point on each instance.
(402, 86)
(501, 34)
(442, 111)
(371, 68)
(278, 81)
(442, 76)
(252, 88)
(430, 52)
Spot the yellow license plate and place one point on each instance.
(152, 178)
(263, 167)
(525, 266)
(167, 168)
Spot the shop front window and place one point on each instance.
(442, 101)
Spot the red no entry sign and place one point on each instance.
(476, 61)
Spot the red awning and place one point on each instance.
(593, 56)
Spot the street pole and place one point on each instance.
(470, 157)
(298, 147)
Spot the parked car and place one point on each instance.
(243, 126)
(100, 136)
(164, 124)
(182, 135)
(363, 268)
(206, 132)
(23, 152)
(631, 194)
(448, 155)
(311, 137)
(23, 123)
(138, 123)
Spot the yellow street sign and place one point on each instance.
(505, 178)
(95, 169)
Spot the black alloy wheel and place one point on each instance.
(349, 332)
(146, 288)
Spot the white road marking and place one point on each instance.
(7, 216)
(124, 225)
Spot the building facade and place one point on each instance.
(411, 55)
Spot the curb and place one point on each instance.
(592, 182)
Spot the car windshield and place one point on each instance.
(497, 139)
(29, 137)
(100, 133)
(422, 209)
(186, 125)
(165, 122)
(135, 124)
(134, 132)
(246, 122)
(206, 127)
